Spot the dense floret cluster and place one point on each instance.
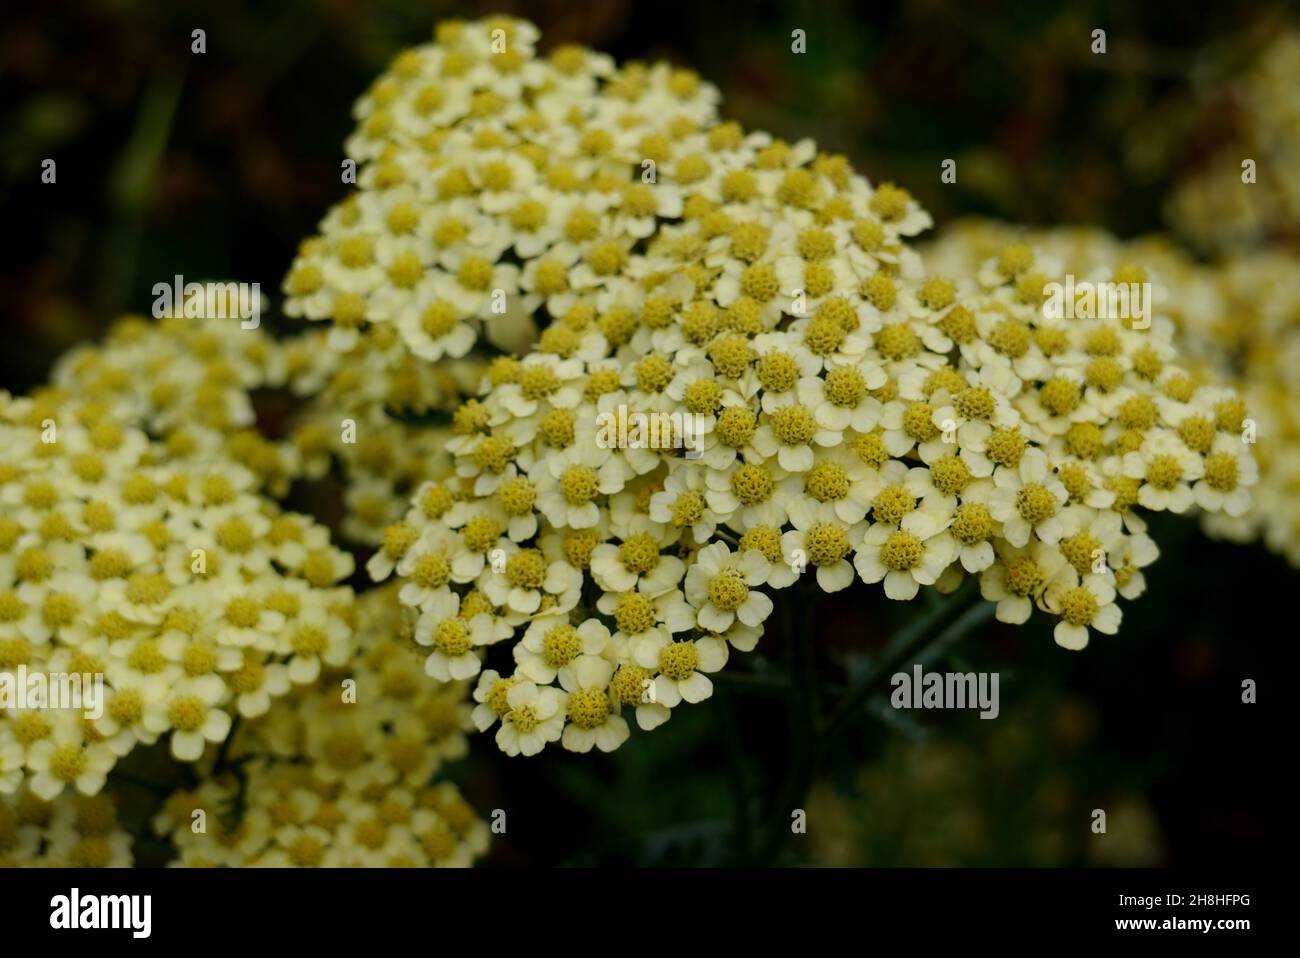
(736, 373)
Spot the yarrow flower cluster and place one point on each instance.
(376, 416)
(1237, 321)
(189, 595)
(70, 831)
(193, 384)
(861, 414)
(1210, 207)
(189, 384)
(137, 544)
(598, 374)
(346, 777)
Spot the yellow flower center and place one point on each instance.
(735, 427)
(975, 402)
(1005, 447)
(1078, 606)
(777, 372)
(972, 523)
(451, 637)
(579, 484)
(794, 425)
(1024, 576)
(1078, 550)
(688, 509)
(68, 762)
(918, 422)
(1221, 472)
(588, 708)
(728, 590)
(187, 713)
(826, 543)
(678, 660)
(1059, 396)
(1164, 471)
(639, 553)
(901, 551)
(635, 613)
(950, 475)
(1035, 503)
(243, 613)
(526, 569)
(474, 273)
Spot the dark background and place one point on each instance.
(218, 165)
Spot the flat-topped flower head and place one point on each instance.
(714, 382)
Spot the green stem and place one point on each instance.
(925, 638)
(161, 789)
(727, 536)
(801, 702)
(922, 640)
